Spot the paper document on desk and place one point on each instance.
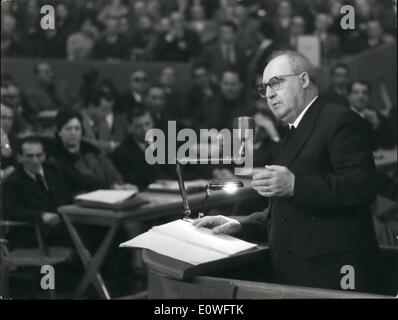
(182, 241)
(107, 196)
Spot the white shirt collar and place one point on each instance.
(298, 119)
(356, 111)
(109, 120)
(33, 176)
(137, 97)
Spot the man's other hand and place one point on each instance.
(274, 181)
(219, 224)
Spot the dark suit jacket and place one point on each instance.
(330, 95)
(327, 223)
(176, 49)
(90, 167)
(213, 59)
(99, 133)
(129, 159)
(218, 112)
(24, 200)
(126, 103)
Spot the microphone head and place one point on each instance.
(244, 124)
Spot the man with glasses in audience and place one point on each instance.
(136, 93)
(319, 185)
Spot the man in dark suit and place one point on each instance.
(129, 157)
(225, 53)
(319, 186)
(382, 136)
(337, 92)
(103, 127)
(33, 192)
(219, 110)
(178, 43)
(133, 97)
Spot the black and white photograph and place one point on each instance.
(195, 157)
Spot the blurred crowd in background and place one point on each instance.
(183, 30)
(226, 43)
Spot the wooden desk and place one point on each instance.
(172, 279)
(160, 205)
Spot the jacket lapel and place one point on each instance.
(289, 153)
(34, 187)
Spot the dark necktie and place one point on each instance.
(40, 180)
(288, 135)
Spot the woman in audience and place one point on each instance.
(79, 158)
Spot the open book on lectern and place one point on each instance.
(182, 241)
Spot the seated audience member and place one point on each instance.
(48, 93)
(372, 38)
(283, 20)
(206, 29)
(101, 125)
(200, 90)
(143, 40)
(8, 142)
(155, 101)
(337, 92)
(81, 159)
(80, 44)
(138, 87)
(114, 9)
(266, 44)
(225, 53)
(359, 98)
(111, 46)
(11, 43)
(12, 96)
(218, 111)
(33, 192)
(129, 157)
(179, 43)
(298, 28)
(175, 98)
(248, 25)
(330, 43)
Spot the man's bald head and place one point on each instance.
(289, 86)
(298, 62)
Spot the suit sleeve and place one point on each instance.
(352, 181)
(113, 173)
(121, 161)
(254, 226)
(14, 207)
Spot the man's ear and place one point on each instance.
(305, 80)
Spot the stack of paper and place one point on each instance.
(107, 196)
(182, 241)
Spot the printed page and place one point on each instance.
(107, 196)
(174, 248)
(203, 237)
(183, 241)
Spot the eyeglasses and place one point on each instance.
(275, 83)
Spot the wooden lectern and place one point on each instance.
(237, 277)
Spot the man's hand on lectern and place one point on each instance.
(219, 224)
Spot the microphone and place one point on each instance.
(244, 125)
